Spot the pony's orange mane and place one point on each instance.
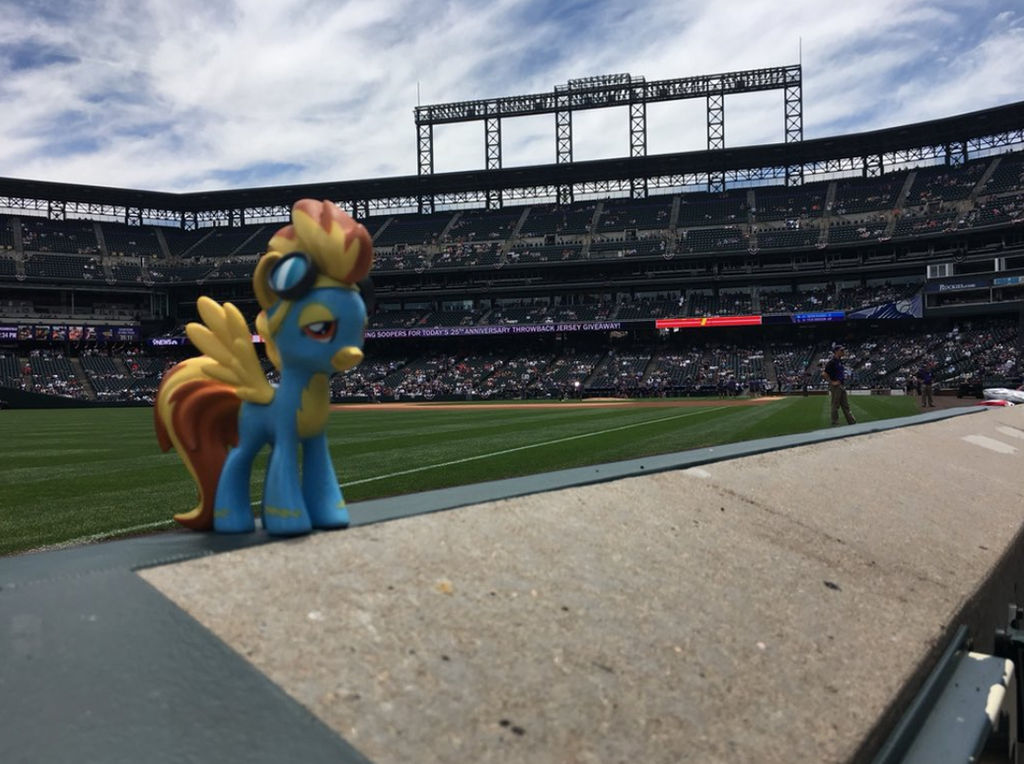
(339, 229)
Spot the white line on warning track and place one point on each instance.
(530, 445)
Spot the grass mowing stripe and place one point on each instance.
(77, 473)
(502, 428)
(528, 446)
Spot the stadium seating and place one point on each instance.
(481, 226)
(536, 314)
(10, 370)
(649, 247)
(131, 241)
(468, 255)
(764, 249)
(773, 204)
(922, 224)
(619, 374)
(52, 374)
(619, 216)
(551, 220)
(401, 258)
(854, 197)
(366, 381)
(126, 271)
(519, 376)
(1008, 176)
(8, 268)
(543, 253)
(702, 209)
(730, 238)
(945, 184)
(66, 236)
(414, 231)
(181, 242)
(849, 231)
(233, 269)
(787, 238)
(6, 233)
(58, 268)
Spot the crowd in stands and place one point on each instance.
(967, 352)
(51, 373)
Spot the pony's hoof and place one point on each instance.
(278, 522)
(336, 517)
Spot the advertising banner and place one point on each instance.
(707, 321)
(958, 286)
(496, 329)
(912, 308)
(810, 318)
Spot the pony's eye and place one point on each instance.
(322, 331)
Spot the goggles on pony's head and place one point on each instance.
(295, 275)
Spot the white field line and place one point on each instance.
(529, 446)
(104, 535)
(162, 523)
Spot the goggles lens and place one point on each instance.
(293, 276)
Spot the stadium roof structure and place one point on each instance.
(951, 141)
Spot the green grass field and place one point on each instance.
(86, 474)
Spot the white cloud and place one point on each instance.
(192, 95)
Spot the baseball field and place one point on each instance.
(86, 475)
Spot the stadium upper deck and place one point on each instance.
(874, 208)
(983, 194)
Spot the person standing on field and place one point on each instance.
(926, 378)
(835, 374)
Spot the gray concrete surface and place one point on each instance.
(768, 608)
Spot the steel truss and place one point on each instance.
(617, 90)
(492, 140)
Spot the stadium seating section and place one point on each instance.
(906, 204)
(776, 231)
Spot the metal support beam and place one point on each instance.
(794, 117)
(638, 144)
(638, 129)
(563, 137)
(563, 144)
(716, 135)
(425, 142)
(425, 134)
(492, 138)
(716, 121)
(492, 129)
(56, 210)
(956, 154)
(873, 166)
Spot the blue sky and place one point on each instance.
(204, 94)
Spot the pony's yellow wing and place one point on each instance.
(227, 344)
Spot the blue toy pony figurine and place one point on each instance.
(218, 410)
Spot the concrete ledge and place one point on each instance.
(781, 606)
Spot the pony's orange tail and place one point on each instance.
(198, 416)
